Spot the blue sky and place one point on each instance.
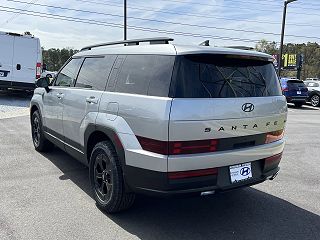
(223, 22)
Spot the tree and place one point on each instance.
(267, 47)
(54, 58)
(310, 51)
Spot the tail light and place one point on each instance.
(193, 173)
(285, 89)
(178, 147)
(274, 136)
(191, 147)
(272, 162)
(38, 70)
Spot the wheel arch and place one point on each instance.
(95, 134)
(34, 107)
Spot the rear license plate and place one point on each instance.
(299, 92)
(240, 172)
(1, 74)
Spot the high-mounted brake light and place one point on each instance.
(274, 136)
(193, 173)
(38, 70)
(178, 147)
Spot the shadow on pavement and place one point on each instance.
(303, 107)
(242, 214)
(15, 98)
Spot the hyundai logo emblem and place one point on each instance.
(247, 107)
(245, 171)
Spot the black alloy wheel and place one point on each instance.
(40, 143)
(107, 181)
(103, 178)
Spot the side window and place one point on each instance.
(114, 73)
(94, 72)
(145, 74)
(68, 74)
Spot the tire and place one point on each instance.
(315, 100)
(298, 104)
(106, 179)
(41, 144)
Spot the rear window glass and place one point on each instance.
(295, 83)
(220, 76)
(145, 74)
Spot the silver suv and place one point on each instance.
(163, 119)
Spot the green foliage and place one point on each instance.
(310, 51)
(54, 58)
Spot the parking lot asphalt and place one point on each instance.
(47, 196)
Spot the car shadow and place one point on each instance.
(242, 214)
(15, 98)
(303, 107)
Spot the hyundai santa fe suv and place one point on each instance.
(163, 119)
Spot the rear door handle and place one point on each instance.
(60, 95)
(92, 100)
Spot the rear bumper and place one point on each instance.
(297, 99)
(158, 184)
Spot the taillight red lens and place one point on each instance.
(38, 70)
(274, 136)
(193, 173)
(191, 147)
(272, 162)
(285, 89)
(152, 145)
(178, 147)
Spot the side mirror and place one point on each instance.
(43, 82)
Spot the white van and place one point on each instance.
(20, 61)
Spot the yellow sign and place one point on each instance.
(289, 60)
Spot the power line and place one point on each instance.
(107, 3)
(102, 23)
(247, 2)
(237, 7)
(27, 5)
(166, 22)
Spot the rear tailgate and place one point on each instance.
(226, 106)
(196, 119)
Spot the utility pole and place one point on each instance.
(282, 32)
(125, 19)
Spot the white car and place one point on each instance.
(313, 92)
(48, 74)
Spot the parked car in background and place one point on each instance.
(314, 92)
(294, 90)
(48, 74)
(312, 79)
(20, 61)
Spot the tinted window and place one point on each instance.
(115, 73)
(295, 83)
(94, 73)
(68, 74)
(145, 74)
(223, 76)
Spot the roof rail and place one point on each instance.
(159, 40)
